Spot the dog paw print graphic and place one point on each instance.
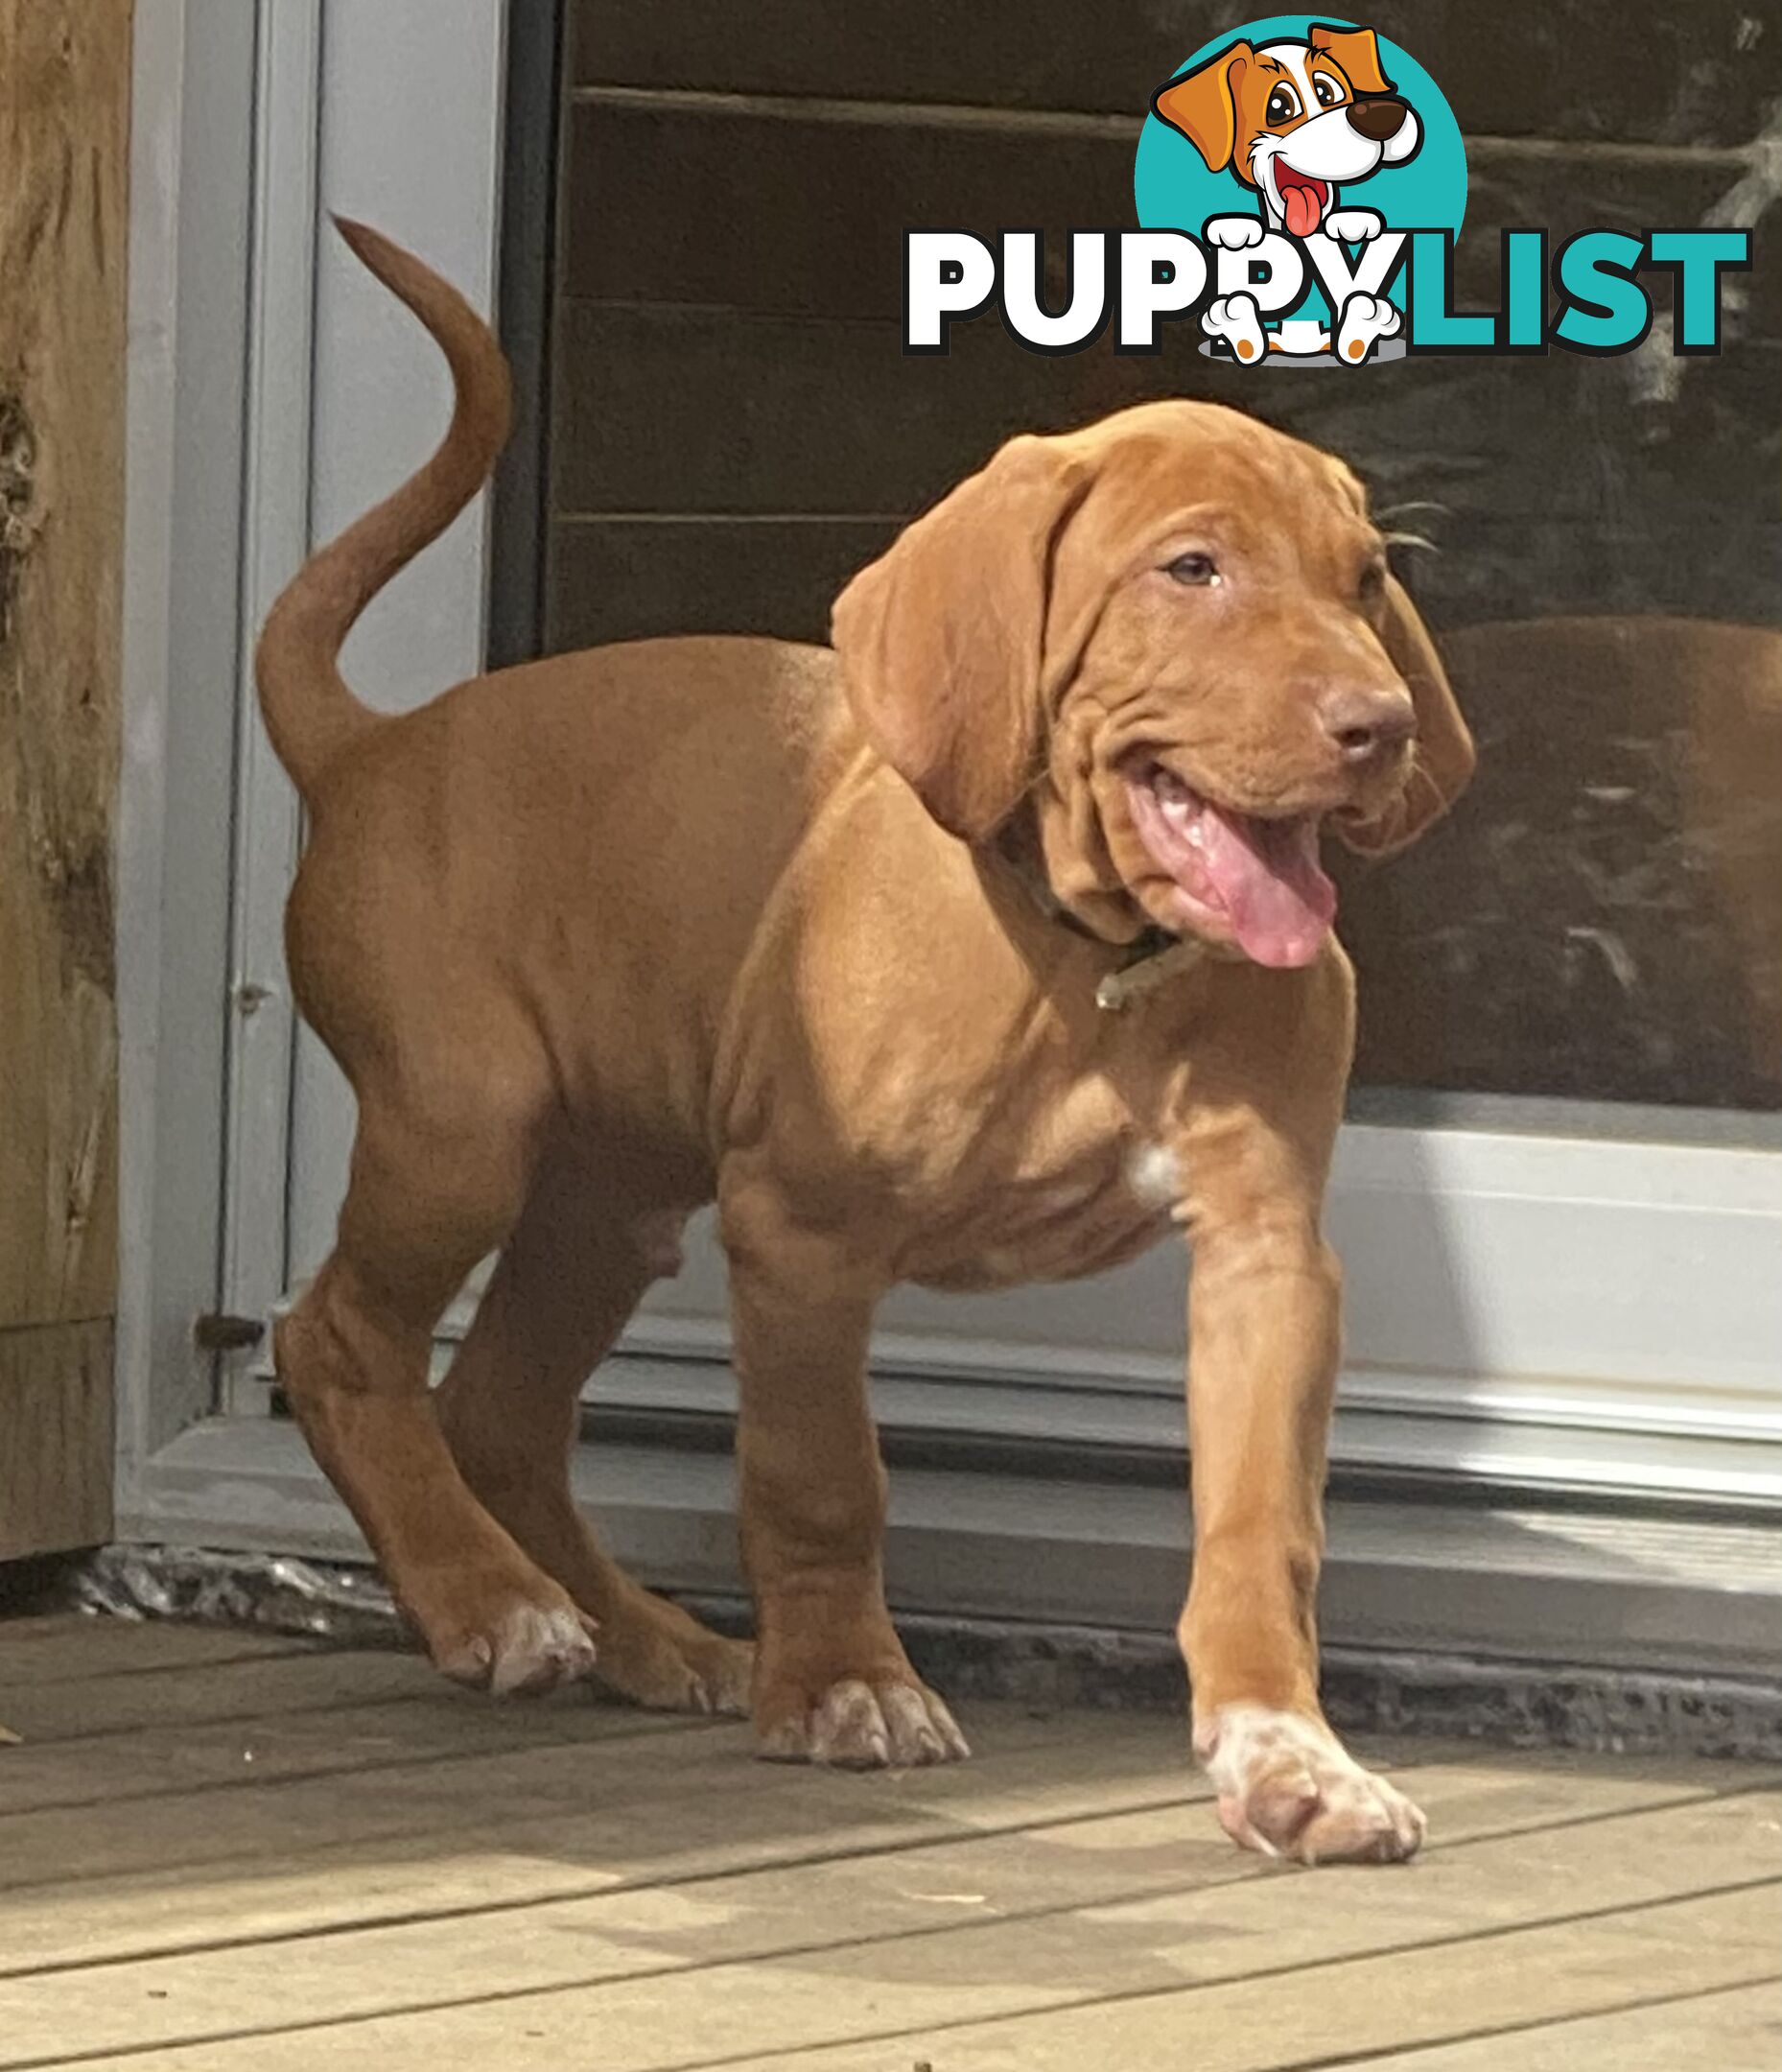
(1292, 123)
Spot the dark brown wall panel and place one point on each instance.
(618, 578)
(1654, 71)
(804, 214)
(625, 579)
(792, 415)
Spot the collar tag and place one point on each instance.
(1156, 956)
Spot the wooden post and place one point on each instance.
(64, 127)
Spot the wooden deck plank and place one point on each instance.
(117, 1771)
(380, 1811)
(1264, 2023)
(531, 1824)
(963, 1931)
(1729, 2030)
(64, 1647)
(17, 1627)
(1495, 1987)
(210, 1694)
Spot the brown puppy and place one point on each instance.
(819, 935)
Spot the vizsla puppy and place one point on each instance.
(820, 935)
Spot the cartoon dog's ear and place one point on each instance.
(1442, 762)
(1203, 104)
(942, 639)
(1357, 51)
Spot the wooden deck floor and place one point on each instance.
(220, 1851)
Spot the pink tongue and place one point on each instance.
(1279, 900)
(1300, 207)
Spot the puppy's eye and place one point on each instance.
(1194, 571)
(1373, 585)
(1283, 106)
(1328, 92)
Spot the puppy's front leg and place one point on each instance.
(1263, 1352)
(833, 1684)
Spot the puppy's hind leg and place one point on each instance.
(575, 1267)
(438, 1178)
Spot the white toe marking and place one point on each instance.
(1153, 1173)
(1246, 1739)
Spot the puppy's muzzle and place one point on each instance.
(1377, 119)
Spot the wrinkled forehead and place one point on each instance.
(1198, 458)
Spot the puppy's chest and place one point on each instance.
(1078, 1186)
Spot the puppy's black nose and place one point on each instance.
(1377, 119)
(1367, 725)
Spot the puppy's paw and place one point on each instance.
(1354, 226)
(1288, 1787)
(1237, 320)
(661, 1657)
(856, 1724)
(517, 1649)
(1365, 319)
(1234, 233)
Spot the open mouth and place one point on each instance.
(1303, 199)
(1238, 878)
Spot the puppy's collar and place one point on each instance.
(1151, 956)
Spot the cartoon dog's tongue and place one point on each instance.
(1302, 200)
(1262, 878)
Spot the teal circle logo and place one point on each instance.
(1305, 128)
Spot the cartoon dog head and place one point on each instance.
(1292, 120)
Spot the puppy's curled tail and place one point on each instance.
(309, 712)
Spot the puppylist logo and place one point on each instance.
(1300, 186)
(1330, 151)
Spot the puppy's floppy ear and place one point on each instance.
(1203, 104)
(942, 639)
(1357, 51)
(1442, 761)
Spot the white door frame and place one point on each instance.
(1548, 1311)
(191, 153)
